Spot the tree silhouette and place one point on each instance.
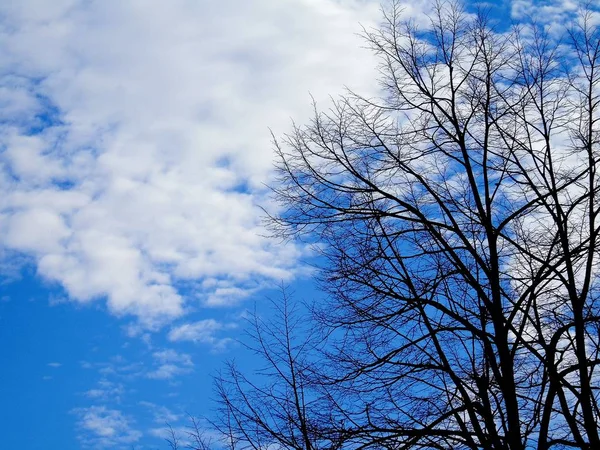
(282, 405)
(457, 220)
(456, 217)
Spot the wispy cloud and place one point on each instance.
(161, 414)
(106, 390)
(116, 366)
(101, 427)
(203, 331)
(169, 363)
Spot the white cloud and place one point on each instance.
(172, 356)
(161, 414)
(106, 390)
(181, 433)
(555, 12)
(203, 331)
(170, 363)
(54, 364)
(167, 372)
(101, 427)
(135, 138)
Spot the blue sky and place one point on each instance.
(134, 153)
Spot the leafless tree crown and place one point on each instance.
(457, 219)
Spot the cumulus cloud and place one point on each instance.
(101, 427)
(167, 372)
(134, 138)
(556, 12)
(203, 331)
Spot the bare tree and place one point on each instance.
(197, 436)
(280, 406)
(457, 219)
(173, 440)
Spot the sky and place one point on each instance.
(135, 151)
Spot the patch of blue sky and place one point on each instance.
(64, 360)
(239, 183)
(48, 116)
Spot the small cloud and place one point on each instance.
(167, 371)
(161, 414)
(226, 296)
(203, 331)
(101, 427)
(170, 363)
(54, 364)
(95, 393)
(118, 366)
(46, 377)
(106, 390)
(147, 339)
(170, 355)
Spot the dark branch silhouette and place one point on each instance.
(456, 218)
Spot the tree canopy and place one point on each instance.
(456, 217)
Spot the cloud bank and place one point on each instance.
(134, 142)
